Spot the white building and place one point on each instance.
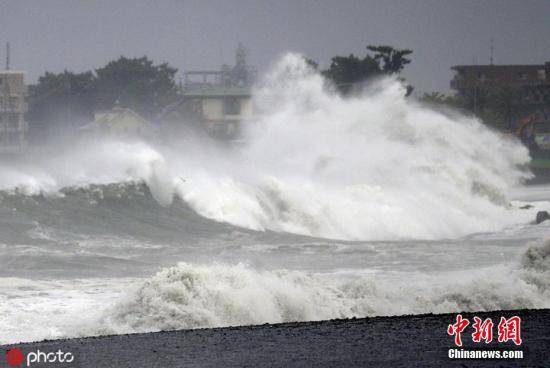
(13, 128)
(223, 110)
(220, 102)
(120, 123)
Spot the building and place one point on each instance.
(524, 90)
(120, 123)
(219, 110)
(218, 102)
(13, 128)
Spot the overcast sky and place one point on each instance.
(80, 35)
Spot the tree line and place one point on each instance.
(348, 72)
(496, 107)
(67, 99)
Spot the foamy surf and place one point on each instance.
(195, 296)
(191, 296)
(376, 166)
(329, 208)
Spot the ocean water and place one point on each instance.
(327, 208)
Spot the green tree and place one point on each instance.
(392, 60)
(312, 64)
(345, 72)
(64, 99)
(503, 104)
(438, 99)
(136, 83)
(495, 107)
(475, 100)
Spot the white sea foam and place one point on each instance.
(373, 166)
(193, 296)
(90, 162)
(32, 310)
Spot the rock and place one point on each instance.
(542, 216)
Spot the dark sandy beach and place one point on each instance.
(403, 341)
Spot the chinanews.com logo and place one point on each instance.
(15, 357)
(508, 331)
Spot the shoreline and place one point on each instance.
(396, 341)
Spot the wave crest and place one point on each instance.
(192, 296)
(376, 166)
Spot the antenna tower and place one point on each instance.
(492, 47)
(8, 56)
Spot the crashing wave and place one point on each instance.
(191, 296)
(376, 166)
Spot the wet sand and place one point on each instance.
(402, 341)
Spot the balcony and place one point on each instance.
(458, 82)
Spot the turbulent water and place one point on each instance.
(328, 207)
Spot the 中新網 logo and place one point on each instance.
(508, 329)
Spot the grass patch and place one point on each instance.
(540, 163)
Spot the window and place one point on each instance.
(13, 121)
(231, 106)
(14, 138)
(14, 102)
(541, 74)
(522, 75)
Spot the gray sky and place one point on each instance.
(197, 34)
